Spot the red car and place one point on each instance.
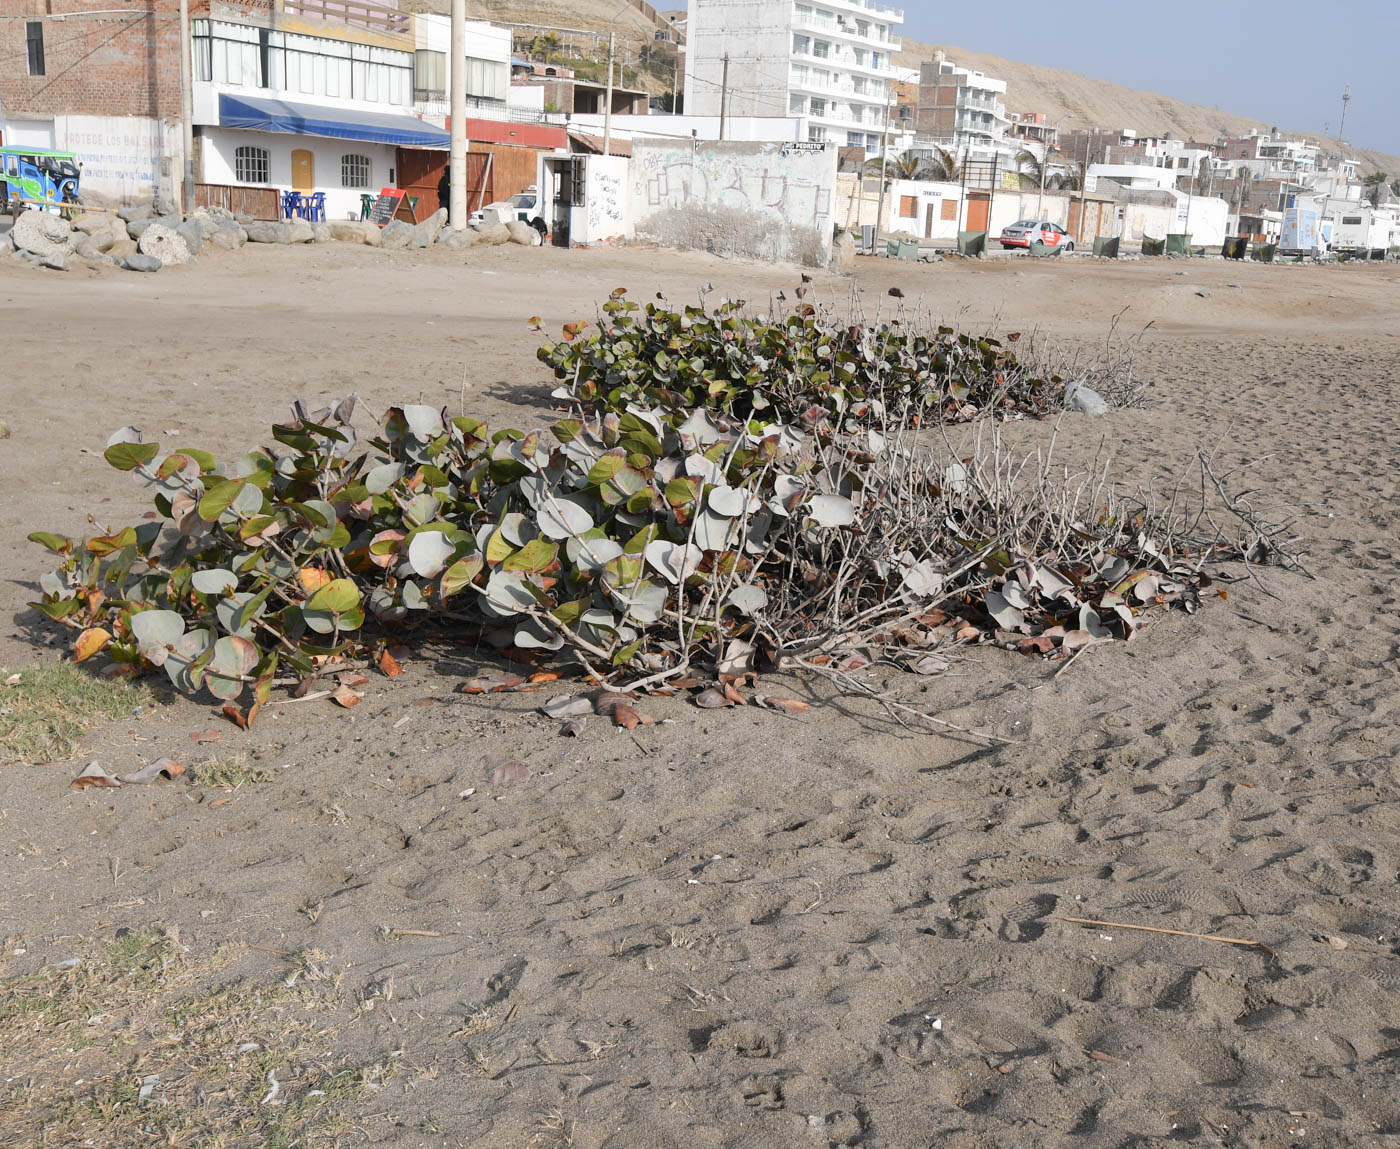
(1024, 231)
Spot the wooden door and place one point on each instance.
(979, 212)
(928, 221)
(303, 170)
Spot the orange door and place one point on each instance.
(303, 170)
(979, 211)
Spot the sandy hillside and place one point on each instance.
(735, 929)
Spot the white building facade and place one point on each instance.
(828, 61)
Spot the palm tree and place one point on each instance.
(1374, 182)
(941, 166)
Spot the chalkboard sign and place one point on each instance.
(386, 206)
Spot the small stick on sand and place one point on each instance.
(1161, 930)
(414, 933)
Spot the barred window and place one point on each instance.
(34, 44)
(250, 165)
(354, 171)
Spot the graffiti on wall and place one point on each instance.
(772, 184)
(606, 201)
(123, 157)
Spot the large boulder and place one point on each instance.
(425, 234)
(374, 234)
(89, 223)
(397, 234)
(320, 233)
(140, 262)
(94, 246)
(522, 233)
(493, 235)
(232, 233)
(134, 211)
(41, 233)
(121, 249)
(192, 232)
(350, 230)
(1084, 400)
(166, 245)
(137, 227)
(843, 251)
(459, 239)
(268, 231)
(224, 239)
(58, 261)
(299, 231)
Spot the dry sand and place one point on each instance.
(740, 929)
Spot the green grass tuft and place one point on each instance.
(53, 704)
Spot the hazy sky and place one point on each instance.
(1284, 61)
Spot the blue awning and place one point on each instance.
(262, 115)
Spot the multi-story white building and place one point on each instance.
(961, 108)
(826, 60)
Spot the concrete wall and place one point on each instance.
(218, 146)
(125, 159)
(606, 217)
(1206, 219)
(769, 201)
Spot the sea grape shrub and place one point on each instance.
(804, 368)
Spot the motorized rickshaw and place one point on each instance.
(38, 177)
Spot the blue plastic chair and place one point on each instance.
(291, 204)
(315, 205)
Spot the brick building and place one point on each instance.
(101, 81)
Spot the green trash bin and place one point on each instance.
(1152, 246)
(972, 242)
(1042, 250)
(1264, 252)
(1106, 247)
(1178, 243)
(1235, 246)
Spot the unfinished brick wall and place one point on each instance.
(123, 64)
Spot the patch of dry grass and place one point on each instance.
(53, 704)
(137, 1042)
(229, 773)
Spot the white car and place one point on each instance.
(524, 206)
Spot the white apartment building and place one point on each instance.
(826, 60)
(962, 109)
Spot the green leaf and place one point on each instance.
(535, 556)
(218, 499)
(567, 430)
(56, 543)
(205, 461)
(129, 456)
(460, 574)
(605, 468)
(336, 597)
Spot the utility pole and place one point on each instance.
(607, 111)
(187, 106)
(457, 155)
(724, 97)
(1342, 127)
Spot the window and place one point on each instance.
(354, 171)
(250, 165)
(799, 74)
(859, 54)
(950, 209)
(797, 105)
(862, 27)
(816, 135)
(34, 42)
(1351, 221)
(488, 79)
(875, 59)
(801, 45)
(818, 106)
(909, 207)
(429, 75)
(821, 49)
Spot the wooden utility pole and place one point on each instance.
(457, 155)
(884, 171)
(724, 96)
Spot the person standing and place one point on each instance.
(445, 189)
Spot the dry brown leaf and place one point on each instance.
(166, 768)
(353, 679)
(490, 683)
(712, 698)
(573, 728)
(314, 578)
(1040, 644)
(619, 708)
(544, 676)
(235, 715)
(788, 705)
(206, 736)
(123, 670)
(511, 771)
(90, 642)
(344, 696)
(389, 665)
(93, 774)
(733, 695)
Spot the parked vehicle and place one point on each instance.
(1024, 232)
(38, 176)
(525, 207)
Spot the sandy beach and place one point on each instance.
(733, 928)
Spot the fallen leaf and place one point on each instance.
(1040, 644)
(572, 729)
(1335, 942)
(793, 706)
(206, 736)
(353, 680)
(567, 706)
(1107, 1058)
(93, 774)
(13, 680)
(511, 771)
(968, 633)
(619, 708)
(235, 715)
(123, 670)
(314, 578)
(430, 700)
(389, 664)
(166, 768)
(346, 697)
(490, 684)
(712, 698)
(733, 695)
(542, 676)
(931, 664)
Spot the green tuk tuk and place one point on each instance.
(40, 177)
